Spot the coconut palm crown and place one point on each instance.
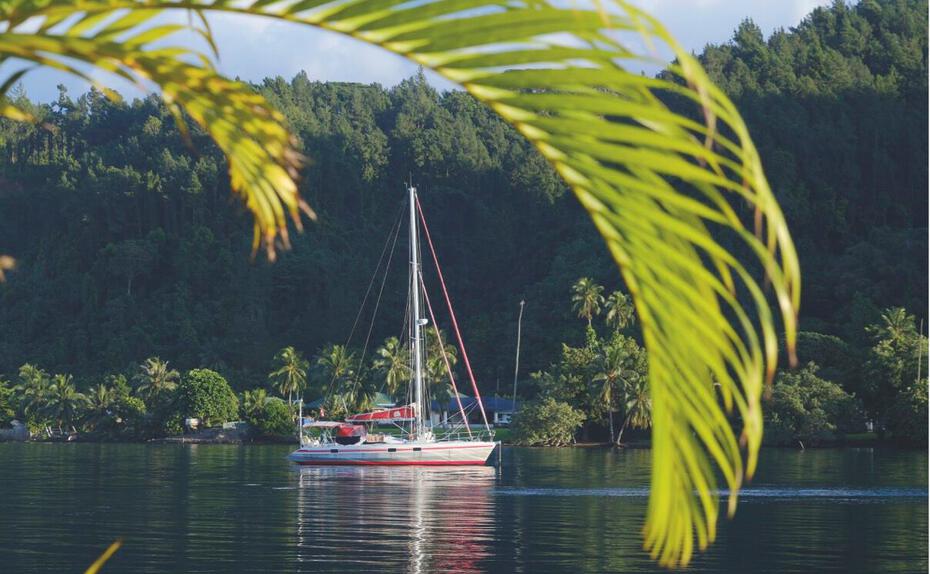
(290, 372)
(587, 298)
(154, 378)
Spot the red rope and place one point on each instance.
(445, 359)
(455, 324)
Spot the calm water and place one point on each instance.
(229, 509)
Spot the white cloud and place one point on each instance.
(255, 48)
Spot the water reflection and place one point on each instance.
(397, 519)
(228, 510)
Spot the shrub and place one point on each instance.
(206, 395)
(907, 419)
(546, 422)
(273, 419)
(809, 409)
(7, 404)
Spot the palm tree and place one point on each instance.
(897, 325)
(63, 402)
(619, 362)
(101, 400)
(655, 181)
(637, 404)
(290, 372)
(32, 389)
(436, 371)
(7, 402)
(336, 368)
(155, 378)
(587, 298)
(336, 363)
(392, 361)
(608, 374)
(620, 311)
(358, 393)
(253, 402)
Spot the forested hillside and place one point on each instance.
(129, 244)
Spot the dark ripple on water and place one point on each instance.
(877, 494)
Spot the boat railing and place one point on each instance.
(460, 433)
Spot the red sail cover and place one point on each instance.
(399, 414)
(350, 430)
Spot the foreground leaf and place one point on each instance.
(107, 554)
(666, 190)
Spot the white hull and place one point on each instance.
(437, 453)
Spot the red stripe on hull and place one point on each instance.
(388, 449)
(391, 463)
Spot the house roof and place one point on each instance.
(495, 404)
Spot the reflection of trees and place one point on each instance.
(395, 519)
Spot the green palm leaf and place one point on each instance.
(665, 190)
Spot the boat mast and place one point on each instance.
(417, 320)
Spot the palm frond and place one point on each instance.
(662, 187)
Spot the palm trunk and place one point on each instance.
(611, 414)
(626, 422)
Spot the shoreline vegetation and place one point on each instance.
(595, 394)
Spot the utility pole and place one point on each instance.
(516, 369)
(920, 347)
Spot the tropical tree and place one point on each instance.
(358, 393)
(392, 362)
(7, 402)
(63, 403)
(154, 378)
(637, 404)
(437, 374)
(587, 298)
(654, 181)
(253, 403)
(32, 390)
(606, 393)
(620, 311)
(206, 395)
(290, 372)
(896, 325)
(101, 404)
(895, 369)
(335, 364)
(336, 370)
(808, 409)
(620, 361)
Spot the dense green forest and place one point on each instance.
(129, 244)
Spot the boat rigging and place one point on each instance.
(349, 442)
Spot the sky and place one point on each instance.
(256, 48)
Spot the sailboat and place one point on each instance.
(349, 442)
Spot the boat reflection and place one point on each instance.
(395, 519)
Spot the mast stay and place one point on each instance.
(455, 323)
